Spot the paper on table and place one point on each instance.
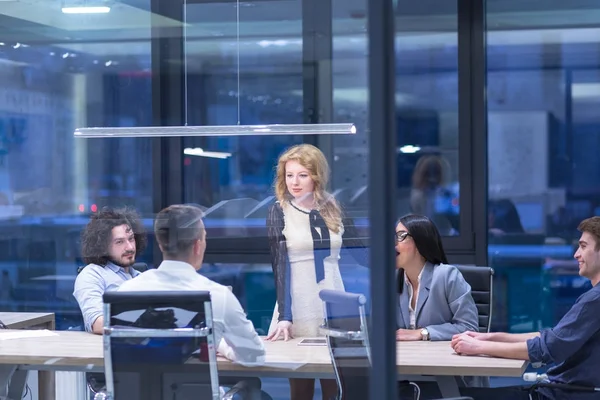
(22, 334)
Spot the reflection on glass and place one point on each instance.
(430, 194)
(426, 117)
(50, 183)
(260, 85)
(543, 139)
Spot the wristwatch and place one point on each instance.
(424, 334)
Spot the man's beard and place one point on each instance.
(121, 264)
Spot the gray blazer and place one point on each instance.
(445, 305)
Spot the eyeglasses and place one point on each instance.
(401, 235)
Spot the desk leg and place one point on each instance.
(47, 379)
(448, 386)
(46, 385)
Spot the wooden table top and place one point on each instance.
(74, 350)
(24, 320)
(413, 358)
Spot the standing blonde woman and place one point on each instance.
(306, 232)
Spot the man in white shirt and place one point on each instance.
(181, 237)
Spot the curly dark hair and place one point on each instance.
(97, 234)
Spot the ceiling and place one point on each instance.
(521, 34)
(272, 28)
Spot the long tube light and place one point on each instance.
(217, 130)
(199, 152)
(86, 10)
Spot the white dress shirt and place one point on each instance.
(238, 341)
(411, 310)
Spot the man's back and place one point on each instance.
(243, 345)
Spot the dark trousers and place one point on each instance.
(501, 393)
(430, 390)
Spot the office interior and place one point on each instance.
(497, 99)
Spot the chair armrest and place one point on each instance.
(535, 377)
(338, 333)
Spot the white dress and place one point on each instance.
(307, 307)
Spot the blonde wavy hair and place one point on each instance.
(315, 162)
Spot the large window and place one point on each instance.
(279, 76)
(543, 96)
(59, 72)
(293, 72)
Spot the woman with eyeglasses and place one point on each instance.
(434, 300)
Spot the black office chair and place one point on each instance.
(481, 280)
(160, 345)
(346, 329)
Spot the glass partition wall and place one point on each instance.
(543, 65)
(409, 77)
(59, 72)
(271, 65)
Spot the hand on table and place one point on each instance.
(465, 344)
(408, 335)
(283, 327)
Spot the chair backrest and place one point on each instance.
(481, 280)
(152, 337)
(345, 326)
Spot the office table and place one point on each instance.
(416, 361)
(81, 351)
(27, 320)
